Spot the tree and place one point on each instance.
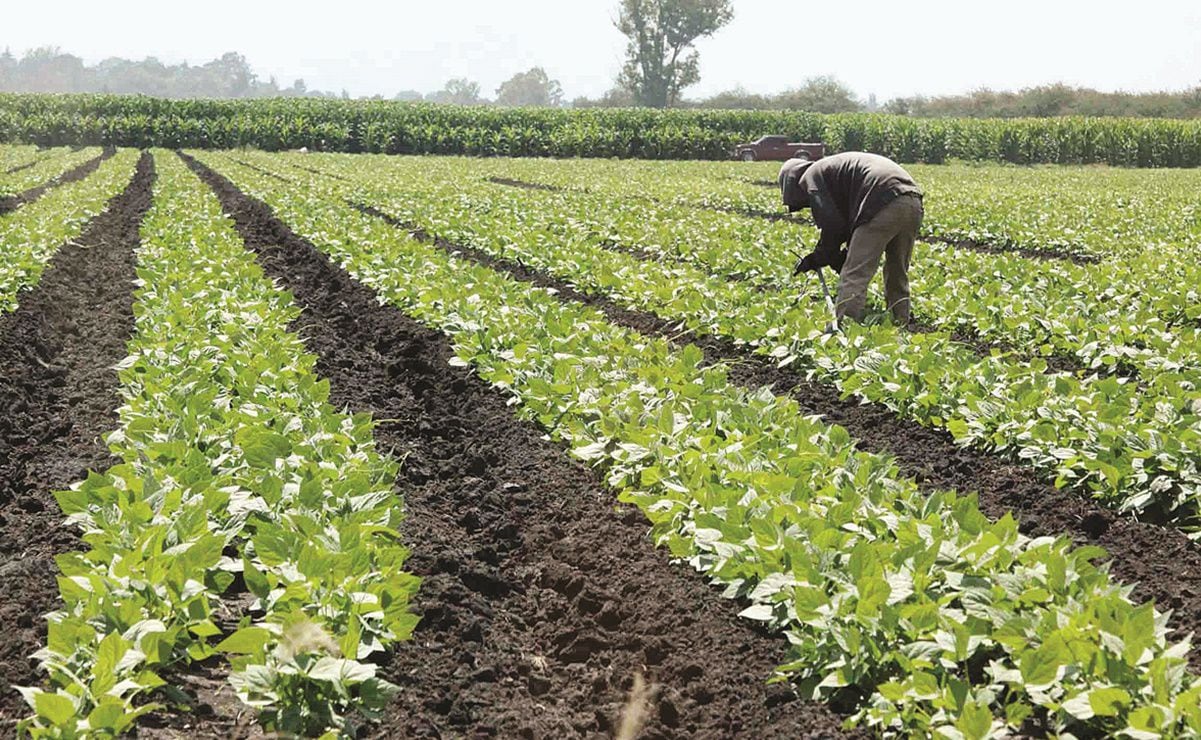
(738, 98)
(459, 91)
(821, 95)
(614, 98)
(660, 60)
(231, 76)
(532, 88)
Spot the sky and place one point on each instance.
(886, 48)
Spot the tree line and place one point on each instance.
(661, 63)
(49, 70)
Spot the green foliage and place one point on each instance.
(30, 236)
(1053, 100)
(458, 91)
(45, 166)
(930, 618)
(48, 70)
(234, 462)
(1133, 448)
(531, 88)
(660, 58)
(406, 128)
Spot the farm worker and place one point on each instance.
(867, 201)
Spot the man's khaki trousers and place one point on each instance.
(890, 234)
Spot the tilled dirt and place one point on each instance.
(59, 393)
(541, 597)
(75, 174)
(1159, 561)
(1036, 253)
(525, 185)
(20, 167)
(315, 171)
(263, 171)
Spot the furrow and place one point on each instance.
(75, 174)
(1161, 561)
(59, 388)
(539, 600)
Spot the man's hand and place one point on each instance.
(808, 263)
(815, 261)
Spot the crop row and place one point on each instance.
(912, 605)
(1134, 450)
(45, 168)
(1071, 210)
(31, 235)
(1141, 315)
(235, 467)
(405, 128)
(14, 157)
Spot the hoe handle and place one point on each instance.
(829, 300)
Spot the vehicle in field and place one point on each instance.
(778, 149)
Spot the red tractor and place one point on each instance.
(778, 149)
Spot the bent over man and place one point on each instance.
(867, 201)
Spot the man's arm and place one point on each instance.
(828, 252)
(833, 227)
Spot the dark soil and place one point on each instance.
(1160, 561)
(59, 393)
(20, 167)
(263, 171)
(1011, 248)
(541, 598)
(316, 171)
(525, 185)
(13, 202)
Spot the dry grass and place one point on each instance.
(637, 709)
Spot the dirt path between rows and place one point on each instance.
(20, 167)
(1160, 561)
(541, 597)
(75, 174)
(59, 393)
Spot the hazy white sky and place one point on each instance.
(886, 47)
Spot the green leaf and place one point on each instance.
(108, 655)
(205, 629)
(256, 581)
(55, 708)
(1108, 702)
(262, 447)
(975, 721)
(246, 641)
(758, 612)
(1041, 667)
(341, 670)
(107, 715)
